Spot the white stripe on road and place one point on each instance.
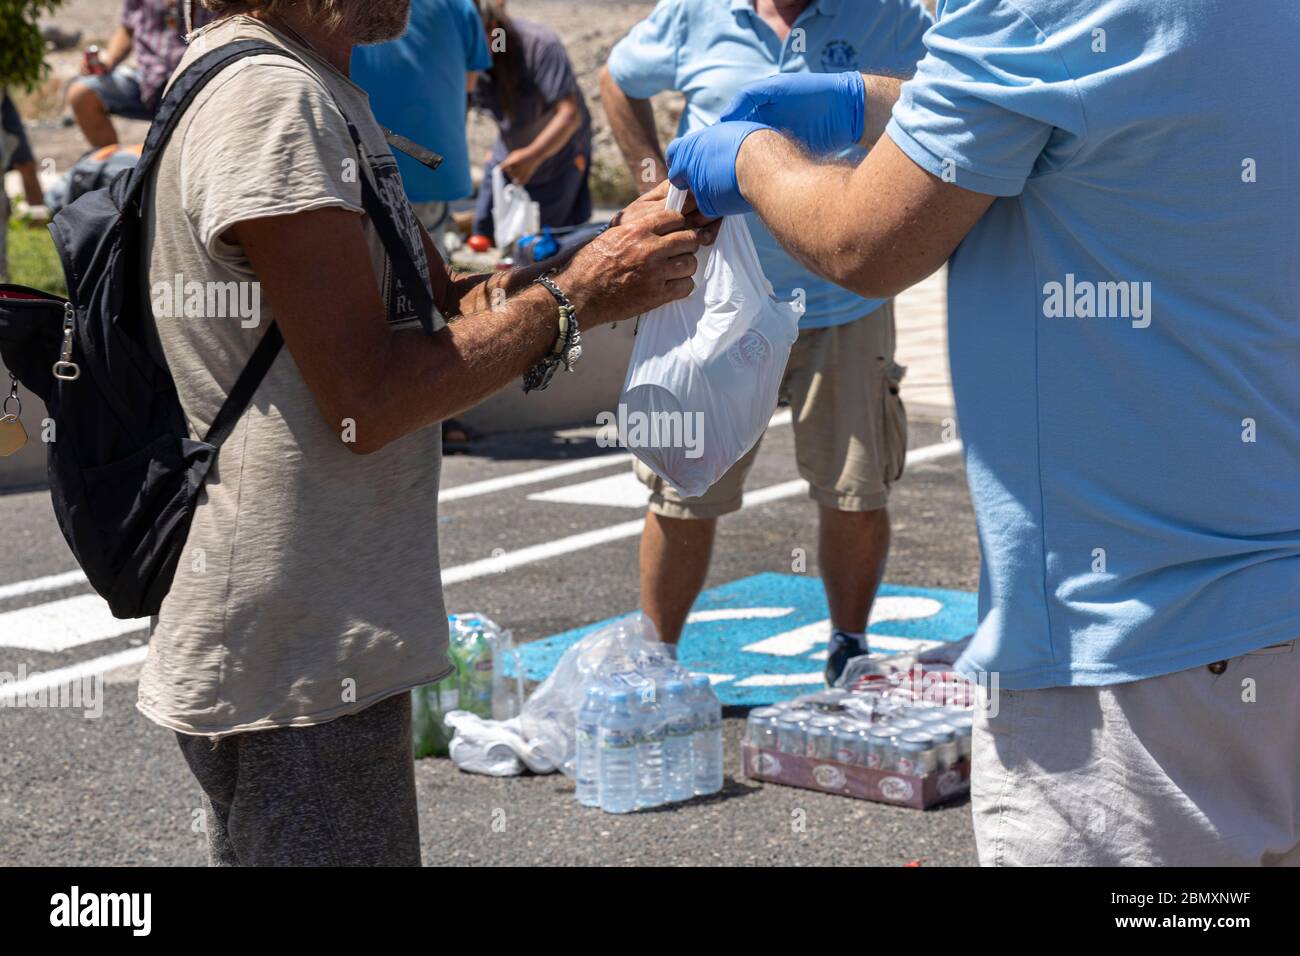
(62, 625)
(508, 560)
(619, 490)
(53, 582)
(534, 476)
(66, 675)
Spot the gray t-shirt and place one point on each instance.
(546, 77)
(310, 585)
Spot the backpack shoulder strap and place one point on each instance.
(241, 394)
(178, 98)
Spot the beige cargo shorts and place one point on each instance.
(850, 427)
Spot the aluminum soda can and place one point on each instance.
(963, 726)
(820, 737)
(94, 65)
(848, 742)
(761, 727)
(945, 741)
(881, 754)
(790, 736)
(905, 725)
(917, 755)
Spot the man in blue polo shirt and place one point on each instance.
(418, 86)
(850, 428)
(1117, 180)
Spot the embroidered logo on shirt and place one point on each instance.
(839, 55)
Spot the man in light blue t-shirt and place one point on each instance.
(1115, 181)
(418, 86)
(842, 383)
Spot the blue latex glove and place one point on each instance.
(823, 111)
(705, 163)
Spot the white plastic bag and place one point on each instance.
(623, 653)
(514, 214)
(705, 370)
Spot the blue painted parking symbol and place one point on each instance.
(763, 638)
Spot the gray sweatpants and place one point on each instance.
(340, 793)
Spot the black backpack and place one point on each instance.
(124, 474)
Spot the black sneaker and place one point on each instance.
(840, 651)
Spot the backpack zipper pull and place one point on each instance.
(66, 370)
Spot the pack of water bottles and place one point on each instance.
(647, 736)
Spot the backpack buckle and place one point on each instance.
(66, 370)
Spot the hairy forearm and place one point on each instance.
(633, 124)
(418, 380)
(882, 94)
(827, 228)
(480, 291)
(875, 229)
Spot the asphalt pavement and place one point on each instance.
(537, 532)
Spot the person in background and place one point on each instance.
(850, 427)
(418, 86)
(545, 143)
(19, 151)
(1115, 186)
(152, 31)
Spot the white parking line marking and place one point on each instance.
(737, 614)
(52, 582)
(623, 490)
(509, 560)
(62, 625)
(782, 680)
(534, 476)
(9, 691)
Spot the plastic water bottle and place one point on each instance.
(650, 752)
(587, 749)
(708, 735)
(679, 743)
(618, 754)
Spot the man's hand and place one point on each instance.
(519, 166)
(633, 268)
(705, 163)
(653, 201)
(822, 111)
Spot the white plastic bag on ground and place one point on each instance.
(624, 651)
(705, 371)
(514, 214)
(497, 748)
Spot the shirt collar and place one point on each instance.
(825, 7)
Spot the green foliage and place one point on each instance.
(32, 259)
(22, 50)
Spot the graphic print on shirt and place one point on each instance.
(398, 306)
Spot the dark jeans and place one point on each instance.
(340, 793)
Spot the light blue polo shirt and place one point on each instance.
(416, 85)
(1124, 325)
(709, 49)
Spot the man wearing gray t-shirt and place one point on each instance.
(307, 603)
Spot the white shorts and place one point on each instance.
(1196, 768)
